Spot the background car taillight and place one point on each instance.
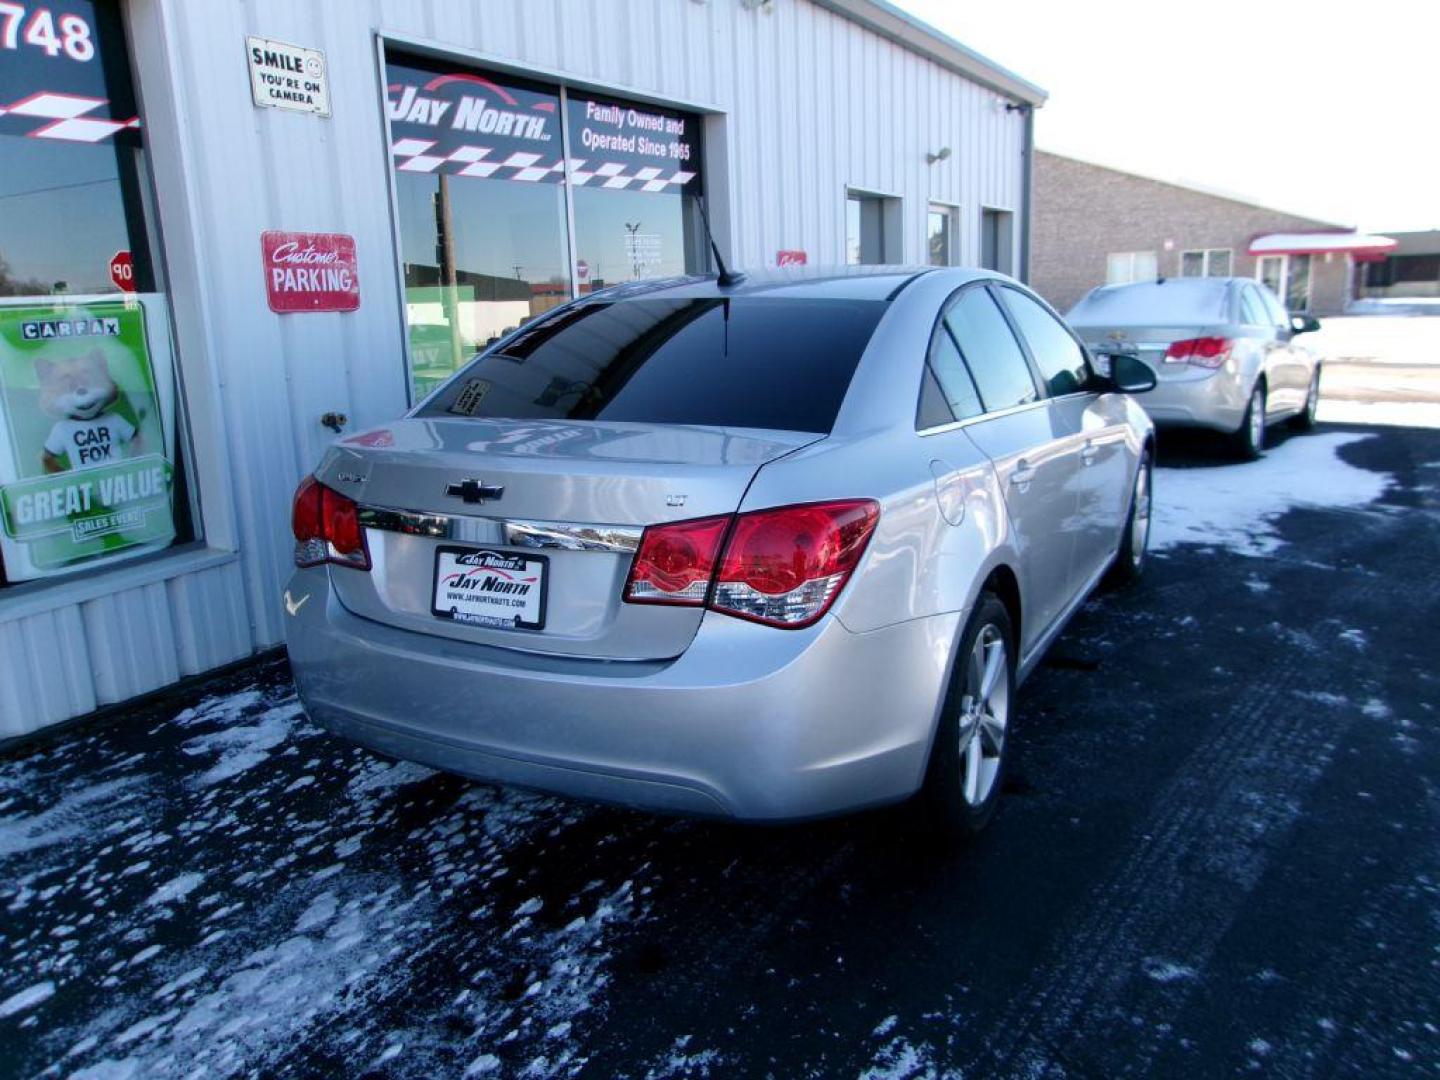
(1206, 352)
(327, 528)
(676, 562)
(782, 567)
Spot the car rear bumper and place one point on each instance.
(750, 722)
(1213, 400)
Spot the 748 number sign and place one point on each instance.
(68, 34)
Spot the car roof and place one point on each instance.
(806, 282)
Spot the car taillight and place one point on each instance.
(1206, 352)
(781, 567)
(676, 562)
(327, 528)
(785, 567)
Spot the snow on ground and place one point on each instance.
(204, 921)
(1237, 506)
(1395, 413)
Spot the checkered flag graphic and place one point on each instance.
(64, 117)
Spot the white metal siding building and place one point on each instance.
(833, 128)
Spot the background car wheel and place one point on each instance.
(1135, 541)
(967, 760)
(1306, 420)
(1250, 439)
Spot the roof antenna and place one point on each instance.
(727, 277)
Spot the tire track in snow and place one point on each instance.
(1166, 906)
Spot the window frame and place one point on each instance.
(713, 182)
(891, 208)
(1004, 216)
(1205, 258)
(1130, 257)
(951, 213)
(202, 461)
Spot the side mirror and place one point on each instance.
(1130, 374)
(1304, 324)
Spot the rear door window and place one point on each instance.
(752, 362)
(1252, 308)
(1278, 316)
(990, 350)
(1057, 354)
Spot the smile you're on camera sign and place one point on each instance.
(287, 76)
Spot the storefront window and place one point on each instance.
(482, 187)
(90, 470)
(635, 171)
(479, 169)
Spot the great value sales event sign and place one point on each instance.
(87, 475)
(310, 271)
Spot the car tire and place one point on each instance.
(964, 776)
(1305, 421)
(1250, 439)
(1132, 555)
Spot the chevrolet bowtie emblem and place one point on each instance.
(473, 491)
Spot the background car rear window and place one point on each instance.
(1059, 356)
(991, 351)
(753, 362)
(1173, 302)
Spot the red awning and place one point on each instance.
(1359, 245)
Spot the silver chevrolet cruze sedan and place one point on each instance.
(770, 550)
(1224, 351)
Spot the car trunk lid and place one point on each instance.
(573, 495)
(1149, 343)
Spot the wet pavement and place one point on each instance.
(1219, 854)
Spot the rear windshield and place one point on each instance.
(1153, 303)
(751, 362)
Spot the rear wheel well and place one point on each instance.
(1006, 587)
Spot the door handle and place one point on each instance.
(1088, 453)
(1022, 475)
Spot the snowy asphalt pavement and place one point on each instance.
(1218, 854)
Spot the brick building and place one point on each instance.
(1093, 225)
(1410, 271)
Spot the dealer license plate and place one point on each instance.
(490, 588)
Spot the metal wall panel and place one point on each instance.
(73, 658)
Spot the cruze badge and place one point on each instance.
(1116, 335)
(474, 491)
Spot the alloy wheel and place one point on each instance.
(984, 715)
(1140, 516)
(1257, 418)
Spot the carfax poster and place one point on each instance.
(87, 476)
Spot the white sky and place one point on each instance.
(1323, 108)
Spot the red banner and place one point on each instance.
(310, 271)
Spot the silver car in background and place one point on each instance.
(1223, 350)
(768, 550)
